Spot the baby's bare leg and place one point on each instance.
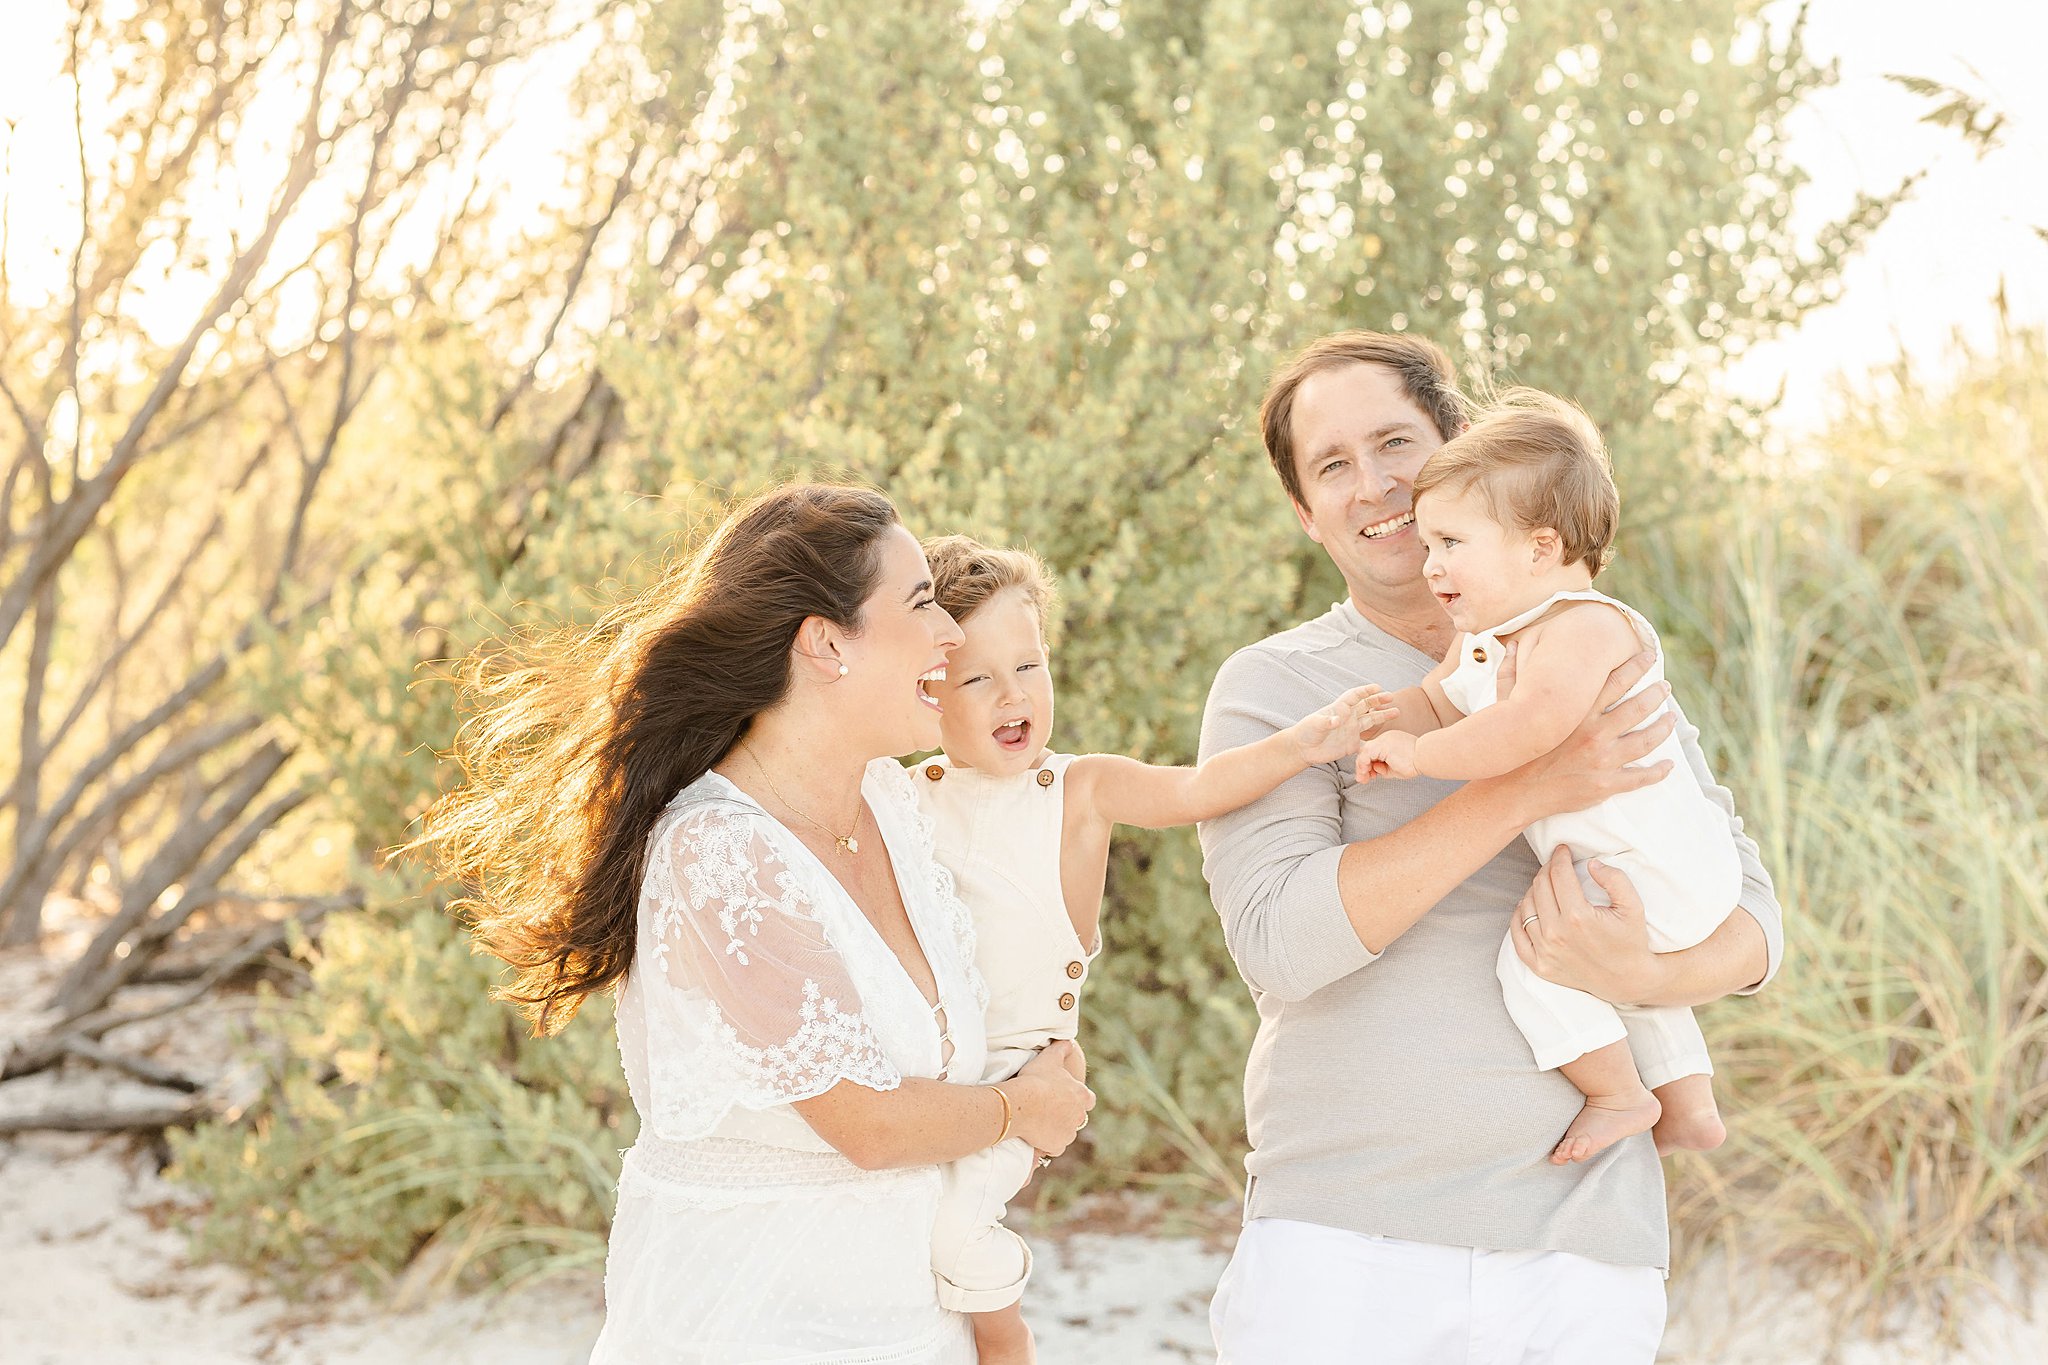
(1617, 1105)
(1691, 1122)
(1001, 1337)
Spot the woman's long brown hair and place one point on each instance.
(581, 739)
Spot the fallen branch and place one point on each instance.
(125, 1119)
(139, 1067)
(40, 1053)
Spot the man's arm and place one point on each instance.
(1272, 863)
(1746, 973)
(1301, 908)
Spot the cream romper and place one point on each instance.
(1000, 838)
(1670, 840)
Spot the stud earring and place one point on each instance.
(843, 670)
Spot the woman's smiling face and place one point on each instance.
(998, 688)
(904, 640)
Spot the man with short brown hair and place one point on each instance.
(1399, 1205)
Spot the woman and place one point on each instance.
(698, 800)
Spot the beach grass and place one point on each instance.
(1867, 655)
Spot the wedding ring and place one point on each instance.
(1529, 920)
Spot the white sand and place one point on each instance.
(91, 1273)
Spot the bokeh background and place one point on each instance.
(340, 338)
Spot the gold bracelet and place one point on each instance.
(1009, 1114)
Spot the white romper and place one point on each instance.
(1000, 838)
(1670, 840)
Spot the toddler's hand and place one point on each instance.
(1389, 755)
(1335, 731)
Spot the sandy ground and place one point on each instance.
(94, 1271)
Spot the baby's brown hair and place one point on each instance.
(967, 573)
(1539, 461)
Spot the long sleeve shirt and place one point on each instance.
(1391, 1093)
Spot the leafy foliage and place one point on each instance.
(407, 1110)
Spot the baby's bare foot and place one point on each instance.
(1605, 1120)
(1693, 1132)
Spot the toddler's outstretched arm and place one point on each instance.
(1127, 792)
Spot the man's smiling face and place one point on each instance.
(1359, 440)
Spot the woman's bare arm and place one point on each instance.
(922, 1122)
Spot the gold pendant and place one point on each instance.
(849, 844)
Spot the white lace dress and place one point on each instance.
(741, 1235)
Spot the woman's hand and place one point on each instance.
(1603, 950)
(1050, 1101)
(1592, 763)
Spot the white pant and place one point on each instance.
(980, 1264)
(1562, 1024)
(1302, 1294)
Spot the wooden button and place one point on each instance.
(1045, 777)
(935, 771)
(1074, 970)
(1478, 655)
(1067, 1001)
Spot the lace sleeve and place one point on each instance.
(747, 1001)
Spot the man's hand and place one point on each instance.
(1603, 950)
(1592, 763)
(1389, 755)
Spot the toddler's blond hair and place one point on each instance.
(967, 573)
(1538, 460)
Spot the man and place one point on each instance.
(1400, 1205)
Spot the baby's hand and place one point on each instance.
(1389, 755)
(1335, 731)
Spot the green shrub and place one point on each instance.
(406, 1109)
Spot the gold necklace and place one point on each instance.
(846, 842)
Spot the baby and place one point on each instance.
(1518, 514)
(1025, 832)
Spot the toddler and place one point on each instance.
(1518, 513)
(1025, 832)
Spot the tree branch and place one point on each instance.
(82, 506)
(127, 1119)
(84, 986)
(621, 188)
(41, 1053)
(139, 1067)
